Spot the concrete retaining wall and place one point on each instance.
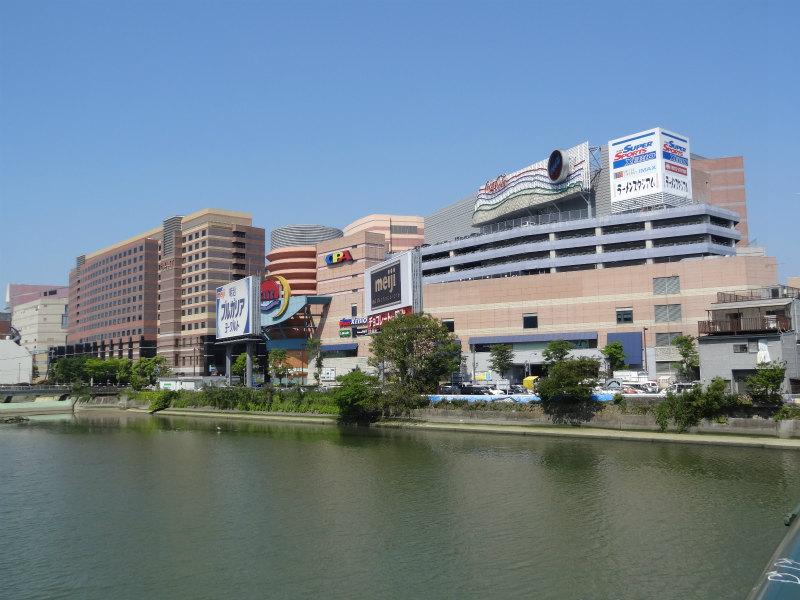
(612, 418)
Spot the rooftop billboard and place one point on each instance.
(237, 313)
(649, 169)
(563, 174)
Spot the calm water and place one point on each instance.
(132, 506)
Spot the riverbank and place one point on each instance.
(456, 422)
(612, 424)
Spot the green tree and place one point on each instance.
(314, 349)
(569, 384)
(70, 370)
(615, 355)
(357, 397)
(690, 359)
(766, 385)
(501, 358)
(144, 372)
(416, 350)
(239, 366)
(278, 363)
(556, 350)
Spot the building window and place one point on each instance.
(666, 285)
(403, 229)
(740, 348)
(665, 313)
(354, 310)
(666, 339)
(449, 324)
(530, 321)
(624, 315)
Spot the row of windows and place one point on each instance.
(197, 288)
(194, 236)
(198, 325)
(197, 246)
(109, 337)
(664, 313)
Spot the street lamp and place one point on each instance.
(644, 349)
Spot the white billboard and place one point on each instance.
(649, 169)
(237, 308)
(563, 174)
(395, 283)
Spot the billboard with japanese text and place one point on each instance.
(649, 169)
(237, 308)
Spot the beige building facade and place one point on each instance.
(42, 324)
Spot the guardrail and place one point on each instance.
(34, 390)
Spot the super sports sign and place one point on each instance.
(649, 169)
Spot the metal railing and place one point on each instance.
(770, 323)
(772, 292)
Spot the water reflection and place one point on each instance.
(307, 510)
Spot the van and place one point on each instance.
(679, 388)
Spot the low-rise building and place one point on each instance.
(747, 328)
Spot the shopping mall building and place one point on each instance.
(630, 241)
(633, 241)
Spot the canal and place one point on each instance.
(125, 505)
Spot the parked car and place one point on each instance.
(678, 388)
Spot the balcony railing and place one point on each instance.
(764, 293)
(773, 324)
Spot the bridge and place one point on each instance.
(8, 391)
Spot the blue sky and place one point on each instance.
(117, 114)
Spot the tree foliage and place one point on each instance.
(766, 385)
(615, 355)
(278, 363)
(239, 367)
(70, 370)
(501, 358)
(357, 397)
(687, 409)
(569, 382)
(314, 350)
(690, 359)
(115, 371)
(415, 350)
(147, 371)
(556, 351)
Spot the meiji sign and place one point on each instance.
(386, 285)
(394, 284)
(338, 256)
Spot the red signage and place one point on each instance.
(375, 321)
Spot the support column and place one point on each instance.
(228, 354)
(648, 244)
(249, 369)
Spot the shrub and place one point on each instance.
(689, 408)
(788, 412)
(162, 400)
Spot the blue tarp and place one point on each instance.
(515, 398)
